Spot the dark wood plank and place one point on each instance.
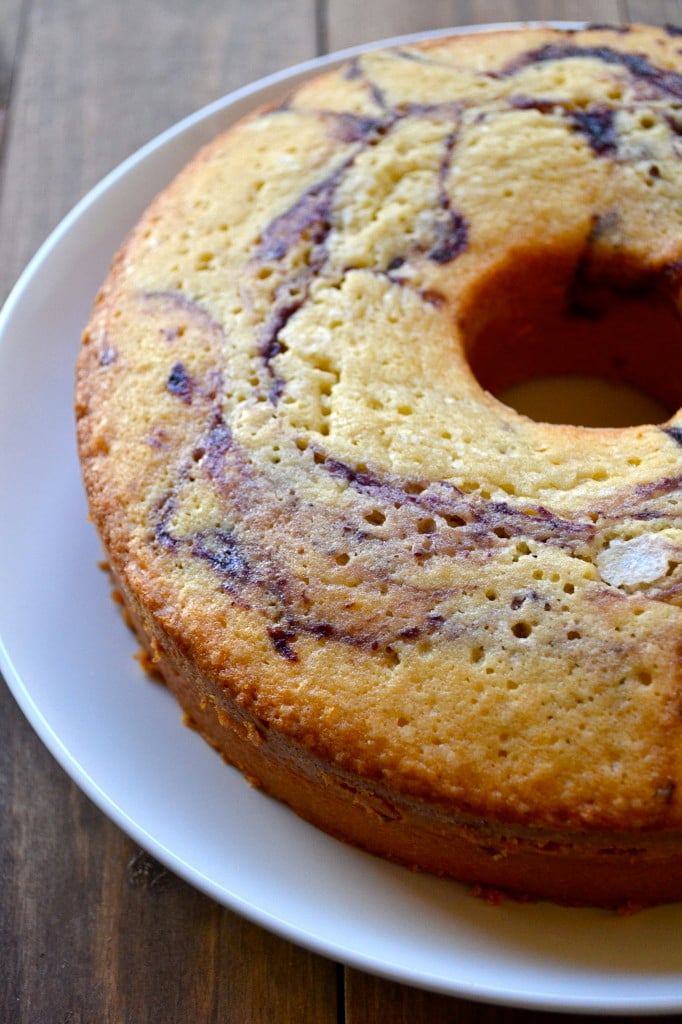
(654, 12)
(368, 1000)
(354, 21)
(11, 22)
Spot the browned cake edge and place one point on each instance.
(624, 871)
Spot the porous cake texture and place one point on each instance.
(433, 626)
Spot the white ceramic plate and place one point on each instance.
(69, 661)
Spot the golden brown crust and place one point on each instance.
(433, 626)
(576, 869)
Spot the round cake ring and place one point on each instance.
(432, 626)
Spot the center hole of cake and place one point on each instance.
(566, 340)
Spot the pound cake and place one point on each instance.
(436, 628)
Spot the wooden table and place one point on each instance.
(91, 928)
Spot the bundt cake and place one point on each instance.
(435, 627)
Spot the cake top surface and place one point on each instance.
(294, 452)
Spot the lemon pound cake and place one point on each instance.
(434, 627)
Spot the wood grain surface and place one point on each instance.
(91, 928)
